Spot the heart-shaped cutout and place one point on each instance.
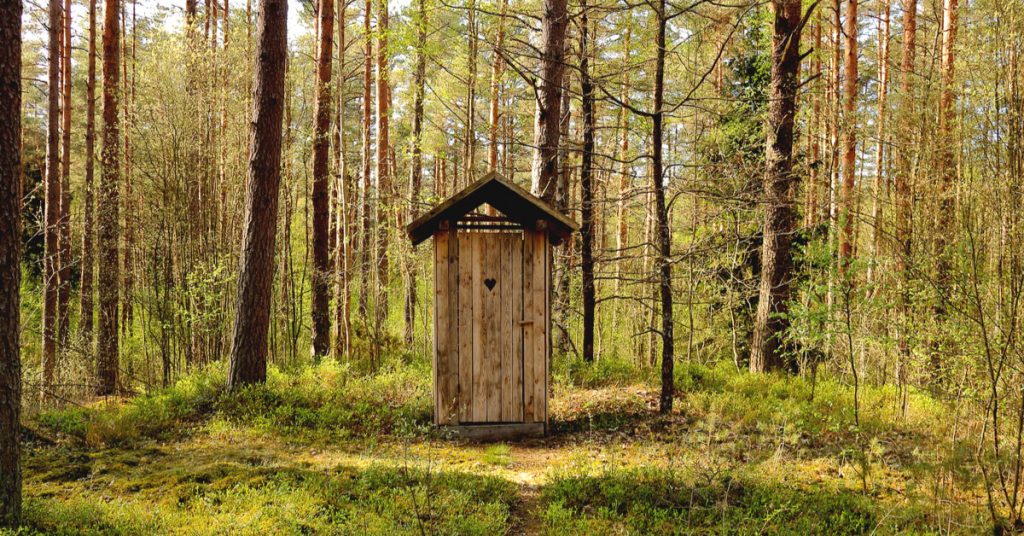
(490, 282)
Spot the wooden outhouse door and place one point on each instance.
(492, 327)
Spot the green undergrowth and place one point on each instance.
(331, 449)
(662, 501)
(248, 491)
(322, 400)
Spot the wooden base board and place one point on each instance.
(495, 432)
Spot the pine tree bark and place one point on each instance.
(86, 311)
(385, 190)
(947, 174)
(248, 361)
(64, 225)
(321, 336)
(51, 220)
(661, 213)
(879, 186)
(469, 137)
(587, 188)
(902, 183)
(549, 96)
(848, 201)
(345, 245)
(108, 206)
(497, 69)
(767, 347)
(10, 263)
(366, 230)
(812, 214)
(416, 172)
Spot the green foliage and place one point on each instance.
(665, 501)
(321, 399)
(608, 370)
(252, 499)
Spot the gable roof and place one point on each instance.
(514, 202)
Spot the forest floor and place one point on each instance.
(318, 451)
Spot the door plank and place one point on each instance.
(529, 327)
(440, 328)
(465, 319)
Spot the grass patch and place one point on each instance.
(660, 501)
(323, 399)
(246, 490)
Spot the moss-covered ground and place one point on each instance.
(326, 450)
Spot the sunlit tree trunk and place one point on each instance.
(108, 206)
(51, 220)
(366, 230)
(321, 336)
(848, 202)
(416, 171)
(248, 361)
(497, 69)
(385, 189)
(947, 173)
(767, 347)
(10, 263)
(661, 213)
(545, 131)
(812, 213)
(86, 311)
(64, 222)
(344, 216)
(469, 138)
(587, 187)
(904, 198)
(880, 187)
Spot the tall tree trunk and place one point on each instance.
(904, 201)
(416, 173)
(812, 215)
(625, 178)
(497, 68)
(321, 219)
(385, 193)
(248, 362)
(549, 96)
(51, 260)
(343, 222)
(848, 202)
(366, 230)
(661, 213)
(767, 347)
(947, 172)
(469, 137)
(10, 263)
(880, 187)
(108, 206)
(64, 225)
(86, 312)
(587, 187)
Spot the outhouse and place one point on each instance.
(492, 307)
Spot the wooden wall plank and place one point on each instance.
(540, 322)
(451, 408)
(529, 328)
(440, 330)
(465, 323)
(491, 297)
(479, 378)
(506, 282)
(517, 328)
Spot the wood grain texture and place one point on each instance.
(465, 323)
(442, 345)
